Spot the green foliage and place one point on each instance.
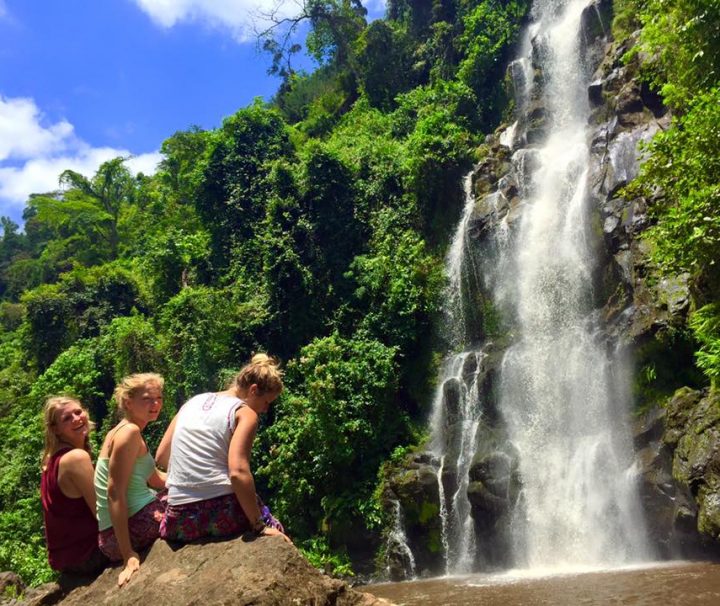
(178, 171)
(22, 549)
(439, 150)
(320, 555)
(681, 39)
(664, 363)
(684, 165)
(128, 345)
(384, 61)
(398, 289)
(233, 187)
(705, 323)
(90, 206)
(364, 143)
(332, 431)
(626, 18)
(174, 259)
(490, 30)
(299, 92)
(203, 331)
(334, 25)
(74, 372)
(77, 307)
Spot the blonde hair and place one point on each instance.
(50, 413)
(132, 384)
(263, 371)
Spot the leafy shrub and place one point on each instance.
(705, 323)
(331, 432)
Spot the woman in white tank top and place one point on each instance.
(206, 449)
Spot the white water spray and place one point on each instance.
(578, 504)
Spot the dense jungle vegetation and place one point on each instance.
(314, 227)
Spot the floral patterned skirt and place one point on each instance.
(217, 517)
(143, 526)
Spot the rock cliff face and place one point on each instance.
(266, 571)
(677, 441)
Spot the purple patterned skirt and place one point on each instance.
(217, 517)
(144, 528)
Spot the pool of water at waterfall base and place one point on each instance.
(662, 584)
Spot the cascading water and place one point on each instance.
(457, 411)
(560, 399)
(397, 542)
(578, 504)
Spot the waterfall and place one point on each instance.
(561, 397)
(457, 408)
(397, 541)
(558, 393)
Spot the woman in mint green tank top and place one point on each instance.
(128, 509)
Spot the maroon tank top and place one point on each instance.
(71, 529)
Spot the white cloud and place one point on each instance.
(237, 16)
(22, 135)
(33, 154)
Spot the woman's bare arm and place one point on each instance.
(162, 455)
(76, 476)
(125, 449)
(241, 477)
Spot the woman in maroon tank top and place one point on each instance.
(67, 490)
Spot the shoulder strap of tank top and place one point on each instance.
(114, 435)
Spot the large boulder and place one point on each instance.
(696, 460)
(413, 487)
(670, 511)
(266, 571)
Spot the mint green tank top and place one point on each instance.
(139, 493)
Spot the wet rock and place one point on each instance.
(669, 508)
(678, 411)
(489, 210)
(692, 436)
(451, 398)
(673, 293)
(419, 497)
(596, 19)
(507, 185)
(470, 366)
(485, 504)
(595, 93)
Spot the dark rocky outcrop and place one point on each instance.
(414, 485)
(266, 571)
(679, 461)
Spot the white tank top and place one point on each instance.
(198, 468)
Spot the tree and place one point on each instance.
(91, 206)
(335, 25)
(233, 187)
(384, 61)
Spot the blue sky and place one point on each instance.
(83, 81)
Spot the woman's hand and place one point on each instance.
(132, 565)
(269, 531)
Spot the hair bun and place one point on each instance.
(262, 359)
